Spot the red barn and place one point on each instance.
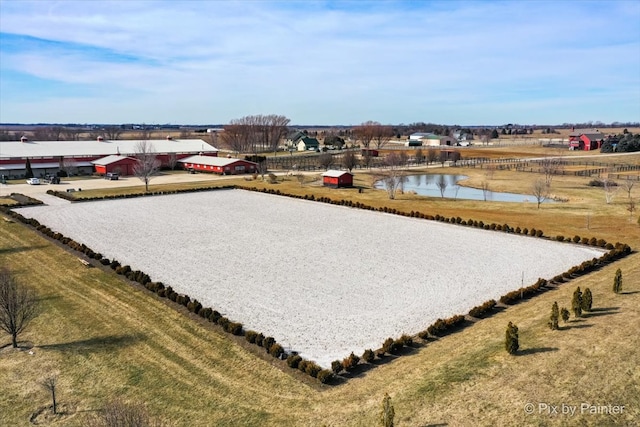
(220, 165)
(370, 152)
(337, 179)
(122, 165)
(589, 139)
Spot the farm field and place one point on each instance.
(348, 280)
(107, 338)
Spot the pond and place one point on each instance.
(428, 185)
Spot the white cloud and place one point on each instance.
(400, 61)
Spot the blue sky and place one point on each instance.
(320, 62)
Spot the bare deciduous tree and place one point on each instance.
(173, 161)
(349, 160)
(147, 163)
(627, 186)
(300, 178)
(419, 156)
(551, 166)
(365, 133)
(392, 176)
(49, 133)
(486, 192)
(249, 133)
(112, 132)
(18, 305)
(381, 134)
(442, 184)
(432, 155)
(325, 160)
(118, 413)
(367, 158)
(70, 134)
(610, 188)
(234, 138)
(262, 169)
(540, 190)
(49, 383)
(275, 129)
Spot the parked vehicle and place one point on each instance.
(33, 181)
(111, 176)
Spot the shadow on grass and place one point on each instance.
(529, 351)
(436, 425)
(600, 311)
(96, 344)
(8, 251)
(567, 327)
(361, 369)
(629, 292)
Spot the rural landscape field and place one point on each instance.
(105, 336)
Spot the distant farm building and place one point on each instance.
(78, 157)
(219, 165)
(371, 152)
(585, 139)
(337, 179)
(122, 165)
(419, 139)
(291, 142)
(306, 143)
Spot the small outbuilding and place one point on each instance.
(337, 179)
(122, 165)
(220, 165)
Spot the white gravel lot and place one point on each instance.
(323, 280)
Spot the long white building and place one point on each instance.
(49, 157)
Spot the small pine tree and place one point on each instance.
(576, 303)
(555, 315)
(617, 282)
(511, 339)
(587, 300)
(564, 313)
(388, 414)
(28, 169)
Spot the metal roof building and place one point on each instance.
(49, 156)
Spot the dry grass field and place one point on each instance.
(109, 338)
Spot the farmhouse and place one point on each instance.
(585, 139)
(306, 143)
(220, 165)
(77, 157)
(293, 138)
(122, 165)
(337, 179)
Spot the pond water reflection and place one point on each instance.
(432, 184)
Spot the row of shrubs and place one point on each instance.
(21, 200)
(71, 197)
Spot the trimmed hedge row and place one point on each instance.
(21, 201)
(70, 196)
(484, 310)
